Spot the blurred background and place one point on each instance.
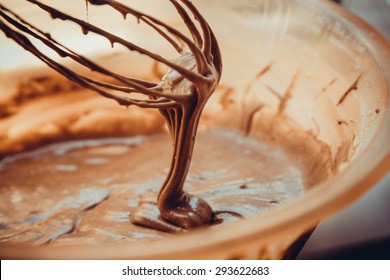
(362, 230)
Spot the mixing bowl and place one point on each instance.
(306, 76)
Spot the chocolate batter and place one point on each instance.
(180, 96)
(85, 192)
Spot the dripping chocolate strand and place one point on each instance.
(353, 87)
(87, 9)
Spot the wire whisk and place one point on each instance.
(180, 95)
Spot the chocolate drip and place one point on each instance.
(180, 96)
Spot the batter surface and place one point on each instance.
(85, 192)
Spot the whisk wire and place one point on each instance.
(87, 27)
(158, 98)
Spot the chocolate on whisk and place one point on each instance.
(180, 95)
